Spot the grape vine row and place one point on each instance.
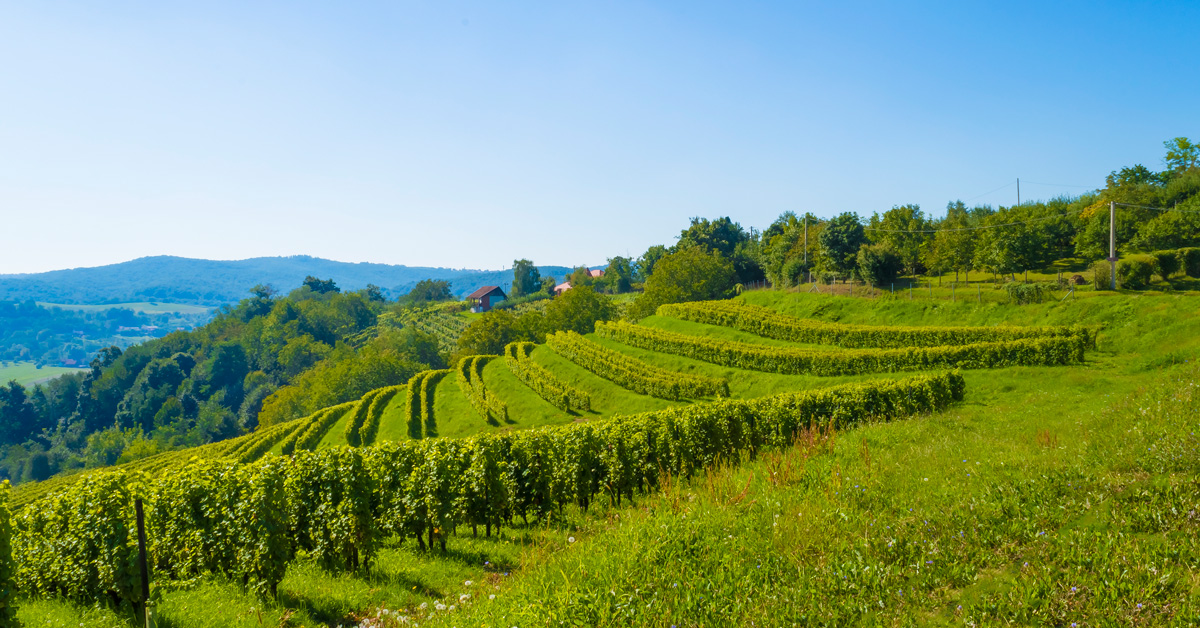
(633, 374)
(541, 381)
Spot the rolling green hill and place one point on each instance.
(935, 519)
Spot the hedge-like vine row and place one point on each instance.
(1046, 351)
(633, 374)
(316, 431)
(309, 434)
(359, 418)
(256, 444)
(379, 404)
(421, 422)
(8, 568)
(29, 493)
(338, 504)
(470, 381)
(769, 323)
(541, 381)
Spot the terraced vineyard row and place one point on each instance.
(470, 381)
(444, 326)
(634, 374)
(309, 435)
(770, 323)
(421, 420)
(380, 399)
(540, 380)
(337, 505)
(1036, 351)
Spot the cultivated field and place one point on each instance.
(27, 373)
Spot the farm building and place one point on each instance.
(485, 298)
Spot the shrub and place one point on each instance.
(1189, 261)
(1166, 263)
(1102, 271)
(1135, 271)
(878, 264)
(1026, 293)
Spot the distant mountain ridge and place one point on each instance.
(215, 282)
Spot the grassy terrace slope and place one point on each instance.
(1044, 479)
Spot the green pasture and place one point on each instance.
(28, 373)
(144, 307)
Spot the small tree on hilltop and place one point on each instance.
(840, 240)
(526, 278)
(879, 264)
(691, 274)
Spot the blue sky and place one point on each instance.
(468, 134)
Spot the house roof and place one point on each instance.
(485, 291)
(566, 285)
(596, 273)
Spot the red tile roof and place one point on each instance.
(484, 291)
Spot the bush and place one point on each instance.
(1189, 261)
(1026, 293)
(1135, 271)
(878, 264)
(1102, 271)
(690, 274)
(1166, 263)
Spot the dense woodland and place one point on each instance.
(275, 357)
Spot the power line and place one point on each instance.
(1160, 209)
(992, 192)
(1060, 185)
(1006, 224)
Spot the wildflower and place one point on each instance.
(492, 596)
(467, 583)
(570, 539)
(464, 597)
(439, 606)
(424, 605)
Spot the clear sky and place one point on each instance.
(468, 134)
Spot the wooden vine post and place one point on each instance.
(143, 567)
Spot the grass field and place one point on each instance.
(1050, 496)
(145, 307)
(27, 373)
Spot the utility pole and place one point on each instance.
(1112, 243)
(806, 240)
(1018, 191)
